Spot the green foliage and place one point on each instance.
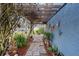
(38, 31)
(41, 30)
(47, 34)
(20, 40)
(50, 49)
(53, 49)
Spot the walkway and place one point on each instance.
(37, 47)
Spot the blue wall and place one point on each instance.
(68, 42)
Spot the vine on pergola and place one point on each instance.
(8, 22)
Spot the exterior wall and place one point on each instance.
(68, 41)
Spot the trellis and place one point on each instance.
(8, 22)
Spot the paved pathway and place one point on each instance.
(37, 47)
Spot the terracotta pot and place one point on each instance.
(12, 53)
(21, 51)
(49, 53)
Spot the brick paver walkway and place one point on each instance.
(37, 47)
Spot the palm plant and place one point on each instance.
(20, 40)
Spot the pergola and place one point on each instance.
(39, 12)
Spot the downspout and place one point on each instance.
(58, 10)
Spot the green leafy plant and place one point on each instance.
(41, 30)
(53, 49)
(47, 34)
(20, 40)
(50, 49)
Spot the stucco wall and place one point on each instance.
(68, 42)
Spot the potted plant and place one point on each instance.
(55, 50)
(52, 51)
(49, 51)
(21, 43)
(47, 36)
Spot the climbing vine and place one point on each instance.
(8, 22)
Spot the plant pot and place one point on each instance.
(49, 53)
(12, 52)
(22, 51)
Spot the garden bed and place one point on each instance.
(47, 45)
(51, 51)
(20, 51)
